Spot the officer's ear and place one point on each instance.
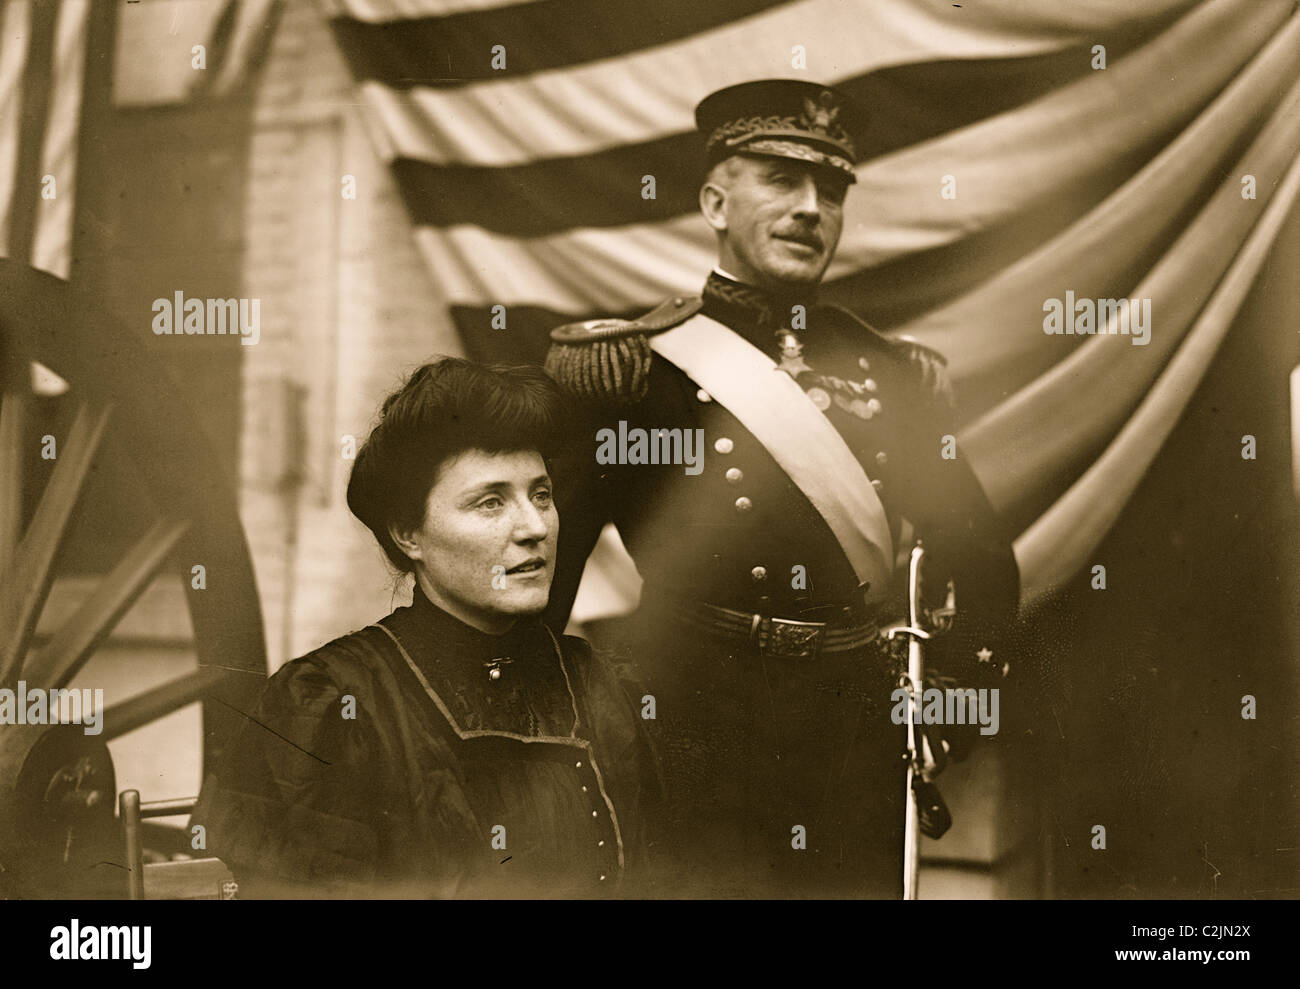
(713, 194)
(713, 198)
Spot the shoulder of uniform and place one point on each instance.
(608, 360)
(667, 314)
(859, 325)
(929, 365)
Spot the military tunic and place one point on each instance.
(757, 747)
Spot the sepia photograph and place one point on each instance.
(764, 450)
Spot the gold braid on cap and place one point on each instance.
(607, 361)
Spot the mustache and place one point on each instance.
(805, 235)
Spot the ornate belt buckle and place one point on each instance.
(793, 640)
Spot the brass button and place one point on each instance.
(602, 879)
(877, 484)
(584, 789)
(882, 458)
(759, 573)
(593, 813)
(679, 301)
(578, 764)
(869, 384)
(601, 843)
(864, 364)
(735, 475)
(873, 406)
(703, 396)
(724, 445)
(743, 504)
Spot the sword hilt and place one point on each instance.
(916, 633)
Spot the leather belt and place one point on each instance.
(778, 637)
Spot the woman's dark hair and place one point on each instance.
(443, 409)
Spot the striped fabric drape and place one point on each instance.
(520, 134)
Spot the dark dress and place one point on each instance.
(388, 764)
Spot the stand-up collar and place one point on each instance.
(475, 645)
(752, 311)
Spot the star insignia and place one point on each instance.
(793, 366)
(985, 655)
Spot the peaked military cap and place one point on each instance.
(782, 118)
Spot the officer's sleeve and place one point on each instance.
(584, 501)
(965, 540)
(969, 542)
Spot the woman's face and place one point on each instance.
(485, 551)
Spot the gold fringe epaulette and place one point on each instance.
(608, 360)
(930, 365)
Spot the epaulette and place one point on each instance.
(930, 366)
(608, 360)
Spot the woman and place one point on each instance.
(458, 747)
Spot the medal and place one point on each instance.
(792, 362)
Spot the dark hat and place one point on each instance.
(783, 118)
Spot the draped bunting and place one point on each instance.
(523, 183)
(1095, 255)
(1058, 544)
(1052, 417)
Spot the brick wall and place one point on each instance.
(347, 309)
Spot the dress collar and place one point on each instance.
(461, 640)
(453, 662)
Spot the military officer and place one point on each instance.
(769, 574)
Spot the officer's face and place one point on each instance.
(485, 550)
(780, 219)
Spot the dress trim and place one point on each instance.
(570, 740)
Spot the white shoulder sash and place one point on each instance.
(772, 406)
